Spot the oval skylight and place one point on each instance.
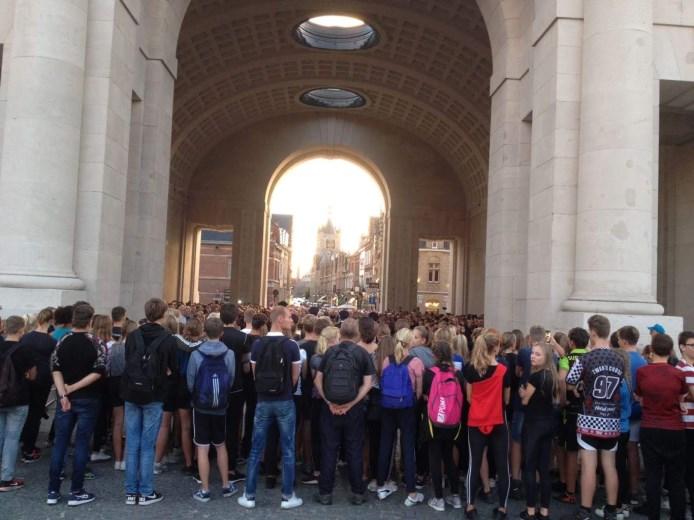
(336, 33)
(333, 98)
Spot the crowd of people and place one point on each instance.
(451, 410)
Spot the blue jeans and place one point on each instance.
(83, 413)
(142, 422)
(285, 414)
(12, 421)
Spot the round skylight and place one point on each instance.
(336, 33)
(333, 98)
(345, 22)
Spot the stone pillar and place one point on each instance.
(41, 152)
(401, 274)
(615, 208)
(249, 262)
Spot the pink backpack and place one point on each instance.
(445, 405)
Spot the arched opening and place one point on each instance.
(411, 97)
(337, 236)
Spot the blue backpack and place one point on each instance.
(396, 385)
(212, 383)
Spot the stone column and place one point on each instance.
(40, 160)
(614, 227)
(249, 262)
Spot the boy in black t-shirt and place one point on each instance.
(77, 363)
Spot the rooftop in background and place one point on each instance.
(219, 237)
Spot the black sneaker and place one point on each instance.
(150, 499)
(516, 492)
(131, 499)
(525, 516)
(270, 482)
(579, 514)
(310, 480)
(79, 498)
(196, 476)
(357, 499)
(236, 476)
(498, 513)
(420, 482)
(471, 515)
(29, 457)
(326, 500)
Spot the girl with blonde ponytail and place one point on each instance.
(401, 388)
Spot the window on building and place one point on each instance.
(434, 272)
(434, 245)
(422, 244)
(446, 245)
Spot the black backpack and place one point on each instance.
(270, 368)
(10, 386)
(142, 375)
(340, 384)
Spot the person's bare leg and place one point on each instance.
(118, 433)
(222, 464)
(204, 466)
(186, 436)
(163, 437)
(609, 470)
(516, 457)
(589, 464)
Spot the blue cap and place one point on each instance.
(657, 328)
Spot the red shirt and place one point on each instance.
(661, 387)
(486, 408)
(688, 371)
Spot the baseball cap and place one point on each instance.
(657, 327)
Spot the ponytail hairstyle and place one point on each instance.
(484, 350)
(442, 352)
(403, 338)
(459, 346)
(329, 336)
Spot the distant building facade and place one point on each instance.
(279, 261)
(434, 275)
(214, 271)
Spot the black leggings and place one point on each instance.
(537, 452)
(441, 451)
(624, 495)
(497, 442)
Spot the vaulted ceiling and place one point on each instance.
(429, 74)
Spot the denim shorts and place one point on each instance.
(517, 425)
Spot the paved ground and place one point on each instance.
(29, 503)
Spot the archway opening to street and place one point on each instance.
(325, 241)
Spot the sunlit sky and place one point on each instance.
(317, 188)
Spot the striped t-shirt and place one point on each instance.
(688, 370)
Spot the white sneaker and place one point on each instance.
(291, 502)
(246, 502)
(159, 468)
(437, 504)
(373, 486)
(119, 465)
(99, 456)
(454, 501)
(414, 499)
(388, 489)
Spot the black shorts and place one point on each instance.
(567, 433)
(597, 443)
(209, 429)
(170, 397)
(183, 396)
(113, 388)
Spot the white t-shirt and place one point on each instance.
(302, 355)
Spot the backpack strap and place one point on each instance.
(407, 360)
